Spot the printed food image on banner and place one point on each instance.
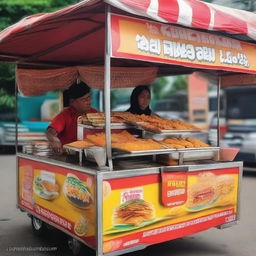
(45, 185)
(81, 226)
(60, 196)
(106, 190)
(76, 191)
(209, 190)
(134, 212)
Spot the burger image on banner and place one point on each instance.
(202, 194)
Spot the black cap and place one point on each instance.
(78, 90)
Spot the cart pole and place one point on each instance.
(107, 79)
(16, 115)
(218, 111)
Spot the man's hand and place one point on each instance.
(55, 143)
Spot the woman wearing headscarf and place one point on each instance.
(140, 100)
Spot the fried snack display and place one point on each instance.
(80, 144)
(99, 139)
(166, 160)
(134, 212)
(84, 120)
(179, 143)
(157, 123)
(138, 145)
(98, 119)
(197, 143)
(128, 117)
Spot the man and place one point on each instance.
(63, 128)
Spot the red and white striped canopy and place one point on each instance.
(75, 35)
(194, 14)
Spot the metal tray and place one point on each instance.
(101, 126)
(174, 132)
(79, 150)
(121, 152)
(182, 155)
(201, 135)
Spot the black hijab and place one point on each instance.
(135, 108)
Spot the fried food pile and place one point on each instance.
(125, 141)
(98, 119)
(133, 212)
(128, 117)
(156, 123)
(179, 143)
(138, 145)
(99, 139)
(80, 144)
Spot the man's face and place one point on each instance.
(81, 104)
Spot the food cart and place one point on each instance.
(126, 200)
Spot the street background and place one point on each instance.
(17, 238)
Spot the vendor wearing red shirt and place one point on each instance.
(63, 128)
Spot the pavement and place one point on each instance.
(17, 238)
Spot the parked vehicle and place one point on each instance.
(241, 121)
(174, 107)
(237, 122)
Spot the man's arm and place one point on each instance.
(55, 143)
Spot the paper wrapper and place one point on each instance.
(228, 154)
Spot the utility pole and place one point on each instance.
(251, 6)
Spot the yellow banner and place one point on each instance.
(61, 196)
(133, 211)
(151, 41)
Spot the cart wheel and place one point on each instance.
(38, 226)
(75, 246)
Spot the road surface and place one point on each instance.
(17, 239)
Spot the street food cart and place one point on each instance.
(122, 200)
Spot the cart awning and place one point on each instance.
(194, 14)
(57, 38)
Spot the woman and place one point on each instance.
(140, 100)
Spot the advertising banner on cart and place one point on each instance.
(155, 208)
(59, 195)
(152, 41)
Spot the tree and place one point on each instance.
(180, 84)
(158, 87)
(11, 12)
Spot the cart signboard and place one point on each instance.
(165, 43)
(174, 188)
(134, 212)
(61, 196)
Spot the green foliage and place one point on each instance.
(11, 12)
(158, 87)
(180, 84)
(161, 89)
(7, 101)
